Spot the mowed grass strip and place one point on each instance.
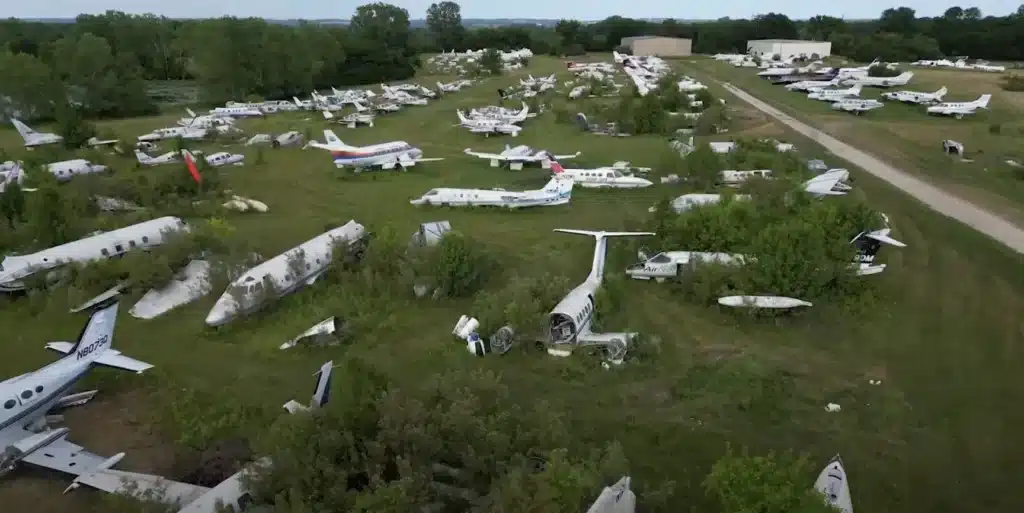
(938, 434)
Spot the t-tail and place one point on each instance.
(600, 248)
(940, 93)
(321, 392)
(982, 102)
(581, 120)
(335, 142)
(94, 344)
(23, 129)
(561, 186)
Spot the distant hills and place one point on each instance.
(468, 22)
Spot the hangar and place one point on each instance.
(658, 45)
(786, 48)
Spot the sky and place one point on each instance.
(537, 9)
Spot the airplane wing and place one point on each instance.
(434, 159)
(480, 129)
(64, 456)
(561, 157)
(139, 485)
(491, 156)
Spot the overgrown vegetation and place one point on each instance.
(1013, 82)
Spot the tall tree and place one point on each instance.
(27, 87)
(898, 21)
(445, 23)
(102, 84)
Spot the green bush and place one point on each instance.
(490, 62)
(765, 484)
(1013, 82)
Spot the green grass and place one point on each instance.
(905, 136)
(939, 433)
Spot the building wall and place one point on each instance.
(788, 49)
(662, 47)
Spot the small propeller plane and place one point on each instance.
(856, 105)
(916, 97)
(960, 109)
(170, 157)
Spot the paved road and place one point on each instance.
(939, 200)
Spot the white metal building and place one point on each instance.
(786, 48)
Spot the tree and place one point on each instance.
(12, 203)
(764, 484)
(898, 21)
(104, 85)
(490, 62)
(954, 13)
(73, 127)
(570, 32)
(444, 20)
(27, 87)
(972, 13)
(49, 217)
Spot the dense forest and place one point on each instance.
(102, 62)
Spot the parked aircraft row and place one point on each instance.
(960, 63)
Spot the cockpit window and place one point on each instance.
(433, 192)
(660, 258)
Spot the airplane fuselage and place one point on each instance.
(374, 155)
(27, 398)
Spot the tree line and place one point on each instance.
(101, 63)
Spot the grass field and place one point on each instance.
(905, 136)
(938, 434)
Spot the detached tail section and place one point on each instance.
(190, 163)
(321, 392)
(23, 129)
(600, 247)
(94, 343)
(142, 157)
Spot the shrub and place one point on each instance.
(881, 70)
(765, 484)
(457, 265)
(1013, 82)
(72, 125)
(490, 62)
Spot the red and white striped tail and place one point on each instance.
(556, 168)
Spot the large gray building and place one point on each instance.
(786, 48)
(658, 45)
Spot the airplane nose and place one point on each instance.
(220, 313)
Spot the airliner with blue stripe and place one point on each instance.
(26, 400)
(558, 191)
(384, 156)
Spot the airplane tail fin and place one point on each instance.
(556, 168)
(600, 246)
(23, 129)
(190, 113)
(94, 343)
(327, 114)
(334, 141)
(190, 164)
(581, 120)
(462, 117)
(561, 185)
(940, 93)
(321, 392)
(856, 89)
(141, 157)
(982, 102)
(526, 110)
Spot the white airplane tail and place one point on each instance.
(982, 102)
(321, 393)
(559, 185)
(905, 76)
(855, 90)
(600, 248)
(525, 112)
(142, 157)
(940, 93)
(327, 114)
(462, 117)
(334, 141)
(23, 129)
(94, 344)
(190, 113)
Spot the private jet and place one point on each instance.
(223, 158)
(33, 138)
(488, 126)
(500, 114)
(236, 112)
(900, 80)
(361, 116)
(601, 178)
(29, 399)
(856, 105)
(960, 109)
(385, 155)
(811, 85)
(916, 97)
(15, 268)
(832, 95)
(517, 156)
(558, 191)
(184, 132)
(68, 169)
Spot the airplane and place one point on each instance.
(617, 498)
(570, 321)
(236, 112)
(281, 275)
(916, 97)
(25, 428)
(831, 183)
(501, 114)
(96, 141)
(12, 174)
(170, 157)
(556, 192)
(68, 169)
(856, 105)
(386, 107)
(353, 119)
(900, 80)
(607, 129)
(209, 121)
(834, 486)
(831, 95)
(488, 126)
(990, 68)
(290, 138)
(229, 495)
(515, 157)
(385, 155)
(734, 178)
(221, 158)
(15, 268)
(868, 244)
(810, 85)
(173, 132)
(33, 138)
(602, 177)
(960, 109)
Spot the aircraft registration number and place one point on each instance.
(89, 349)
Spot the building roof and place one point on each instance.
(785, 41)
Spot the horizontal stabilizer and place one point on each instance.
(602, 234)
(883, 237)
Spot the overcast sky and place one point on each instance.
(574, 9)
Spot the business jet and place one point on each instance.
(384, 156)
(960, 109)
(488, 126)
(916, 97)
(68, 169)
(516, 156)
(570, 321)
(601, 178)
(189, 133)
(558, 191)
(856, 105)
(832, 95)
(282, 275)
(501, 114)
(900, 80)
(171, 157)
(33, 138)
(28, 400)
(236, 112)
(811, 85)
(194, 120)
(15, 268)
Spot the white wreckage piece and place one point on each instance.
(833, 484)
(321, 394)
(102, 297)
(466, 330)
(770, 302)
(617, 498)
(189, 284)
(430, 234)
(323, 333)
(240, 204)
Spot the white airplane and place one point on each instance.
(831, 183)
(516, 156)
(14, 269)
(385, 155)
(671, 263)
(208, 121)
(33, 138)
(352, 120)
(831, 95)
(734, 178)
(283, 274)
(990, 68)
(868, 244)
(811, 85)
(27, 399)
(387, 107)
(222, 158)
(11, 175)
(173, 132)
(570, 320)
(900, 80)
(236, 112)
(170, 157)
(856, 105)
(488, 126)
(960, 109)
(617, 498)
(833, 485)
(602, 177)
(556, 192)
(501, 114)
(68, 169)
(916, 97)
(452, 87)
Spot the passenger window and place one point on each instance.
(145, 239)
(10, 403)
(26, 394)
(119, 248)
(104, 252)
(244, 502)
(131, 244)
